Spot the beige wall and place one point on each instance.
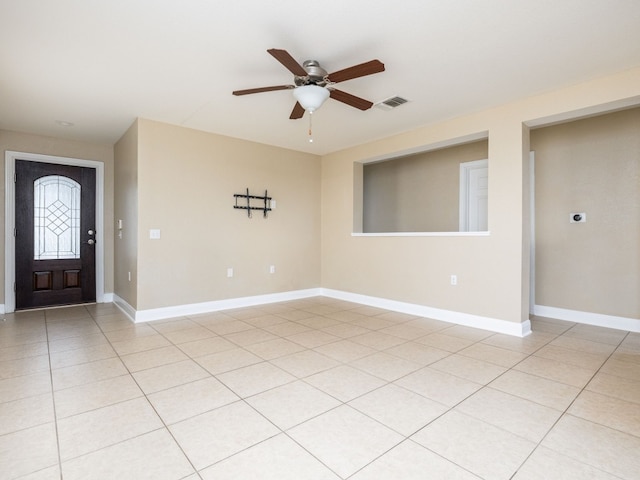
(27, 143)
(417, 193)
(186, 183)
(126, 210)
(590, 166)
(493, 273)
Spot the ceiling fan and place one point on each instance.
(313, 85)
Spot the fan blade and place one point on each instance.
(367, 68)
(288, 61)
(350, 100)
(297, 112)
(263, 89)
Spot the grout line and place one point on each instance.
(53, 399)
(144, 395)
(553, 336)
(566, 410)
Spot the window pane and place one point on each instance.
(56, 218)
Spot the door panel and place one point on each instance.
(55, 234)
(479, 199)
(474, 196)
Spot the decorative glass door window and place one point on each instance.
(56, 218)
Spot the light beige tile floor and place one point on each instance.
(315, 388)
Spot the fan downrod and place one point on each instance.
(316, 75)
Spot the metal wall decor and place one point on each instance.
(265, 207)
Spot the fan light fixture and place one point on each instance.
(310, 80)
(311, 97)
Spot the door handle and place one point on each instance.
(91, 241)
(91, 232)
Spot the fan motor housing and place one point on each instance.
(316, 75)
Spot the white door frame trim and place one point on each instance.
(532, 220)
(10, 220)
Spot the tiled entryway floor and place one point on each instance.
(313, 389)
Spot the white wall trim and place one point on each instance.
(127, 309)
(10, 220)
(423, 234)
(516, 329)
(139, 316)
(588, 318)
(532, 221)
(485, 323)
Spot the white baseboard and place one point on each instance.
(518, 329)
(127, 309)
(597, 319)
(197, 308)
(485, 323)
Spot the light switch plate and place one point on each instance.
(154, 234)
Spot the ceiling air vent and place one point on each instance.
(391, 102)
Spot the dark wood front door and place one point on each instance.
(55, 234)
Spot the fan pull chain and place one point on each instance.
(310, 127)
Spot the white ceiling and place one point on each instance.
(101, 63)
